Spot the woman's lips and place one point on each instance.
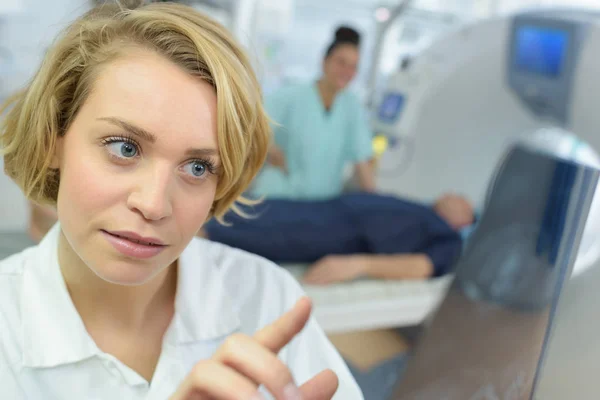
(133, 245)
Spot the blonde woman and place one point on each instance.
(139, 126)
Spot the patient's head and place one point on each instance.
(455, 210)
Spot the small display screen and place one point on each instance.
(391, 107)
(541, 50)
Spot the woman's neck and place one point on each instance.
(327, 92)
(127, 309)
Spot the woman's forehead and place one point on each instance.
(154, 93)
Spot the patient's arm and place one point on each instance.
(334, 269)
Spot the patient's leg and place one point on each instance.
(407, 235)
(288, 231)
(335, 269)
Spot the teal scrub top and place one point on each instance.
(317, 143)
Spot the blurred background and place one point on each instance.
(287, 39)
(446, 86)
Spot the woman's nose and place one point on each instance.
(152, 195)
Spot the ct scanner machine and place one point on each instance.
(529, 77)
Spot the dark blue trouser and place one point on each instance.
(292, 231)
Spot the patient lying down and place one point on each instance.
(351, 236)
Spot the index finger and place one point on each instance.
(275, 336)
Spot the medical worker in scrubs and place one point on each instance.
(319, 128)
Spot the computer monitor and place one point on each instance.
(541, 50)
(487, 340)
(391, 107)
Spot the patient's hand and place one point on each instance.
(332, 269)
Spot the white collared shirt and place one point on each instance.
(46, 352)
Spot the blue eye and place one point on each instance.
(122, 149)
(196, 168)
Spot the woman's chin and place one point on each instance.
(126, 274)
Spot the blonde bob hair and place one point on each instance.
(44, 110)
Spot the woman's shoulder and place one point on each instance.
(12, 276)
(244, 271)
(260, 292)
(259, 289)
(14, 264)
(225, 257)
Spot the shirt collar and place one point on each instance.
(54, 333)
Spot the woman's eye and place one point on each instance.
(123, 149)
(196, 168)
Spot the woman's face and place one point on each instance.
(340, 67)
(138, 168)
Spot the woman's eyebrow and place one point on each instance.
(149, 137)
(134, 130)
(199, 153)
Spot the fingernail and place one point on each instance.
(291, 392)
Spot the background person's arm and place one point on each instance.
(361, 147)
(365, 175)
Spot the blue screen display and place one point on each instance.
(391, 107)
(541, 50)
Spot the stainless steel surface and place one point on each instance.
(571, 367)
(494, 331)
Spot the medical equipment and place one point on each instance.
(473, 93)
(393, 148)
(490, 335)
(372, 304)
(489, 85)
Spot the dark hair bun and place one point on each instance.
(347, 35)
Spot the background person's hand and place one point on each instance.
(244, 363)
(276, 157)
